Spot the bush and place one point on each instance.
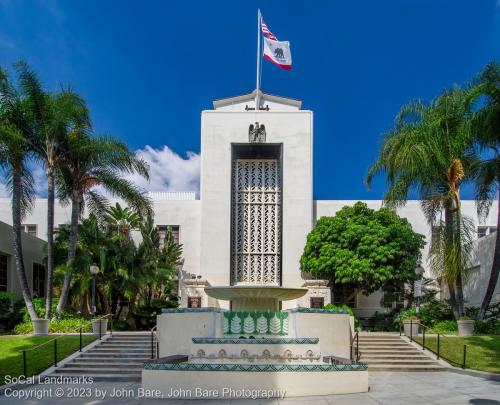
(145, 315)
(70, 323)
(490, 327)
(357, 323)
(409, 313)
(6, 302)
(434, 312)
(444, 327)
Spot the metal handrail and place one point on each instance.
(438, 352)
(154, 335)
(25, 351)
(357, 354)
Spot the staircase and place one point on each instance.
(389, 352)
(118, 358)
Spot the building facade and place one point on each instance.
(256, 207)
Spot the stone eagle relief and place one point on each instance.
(257, 133)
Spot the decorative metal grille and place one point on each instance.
(256, 200)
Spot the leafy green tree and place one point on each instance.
(487, 129)
(370, 249)
(430, 152)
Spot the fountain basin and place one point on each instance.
(255, 297)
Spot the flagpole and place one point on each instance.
(257, 86)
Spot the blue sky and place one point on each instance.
(147, 68)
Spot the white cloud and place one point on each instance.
(168, 170)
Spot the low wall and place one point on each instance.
(217, 384)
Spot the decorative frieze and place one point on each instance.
(259, 323)
(255, 367)
(256, 341)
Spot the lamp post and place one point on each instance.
(417, 288)
(93, 270)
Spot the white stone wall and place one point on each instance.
(219, 130)
(33, 251)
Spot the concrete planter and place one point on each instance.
(95, 326)
(410, 328)
(465, 327)
(40, 327)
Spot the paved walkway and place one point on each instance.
(397, 388)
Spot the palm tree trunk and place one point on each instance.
(460, 295)
(18, 248)
(50, 242)
(73, 234)
(453, 300)
(495, 269)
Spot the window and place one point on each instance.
(3, 272)
(194, 302)
(30, 229)
(163, 230)
(482, 231)
(344, 294)
(38, 280)
(317, 302)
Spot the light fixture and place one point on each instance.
(94, 269)
(419, 270)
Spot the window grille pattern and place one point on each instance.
(256, 227)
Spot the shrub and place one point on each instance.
(145, 315)
(490, 327)
(434, 312)
(403, 315)
(357, 323)
(444, 327)
(6, 302)
(67, 325)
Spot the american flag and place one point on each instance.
(266, 31)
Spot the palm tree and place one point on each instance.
(487, 128)
(94, 163)
(430, 152)
(15, 128)
(56, 116)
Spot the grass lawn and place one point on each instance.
(483, 352)
(11, 356)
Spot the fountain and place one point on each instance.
(254, 348)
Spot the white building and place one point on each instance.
(256, 204)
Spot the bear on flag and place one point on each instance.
(277, 52)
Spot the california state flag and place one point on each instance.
(278, 52)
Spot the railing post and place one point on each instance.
(357, 346)
(465, 356)
(438, 348)
(80, 339)
(152, 345)
(411, 330)
(423, 338)
(100, 327)
(25, 368)
(55, 352)
(111, 331)
(400, 329)
(157, 349)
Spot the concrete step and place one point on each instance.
(406, 368)
(126, 345)
(116, 355)
(395, 348)
(368, 357)
(404, 362)
(105, 377)
(125, 365)
(114, 360)
(99, 371)
(120, 350)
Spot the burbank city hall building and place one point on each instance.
(255, 210)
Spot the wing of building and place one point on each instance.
(256, 207)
